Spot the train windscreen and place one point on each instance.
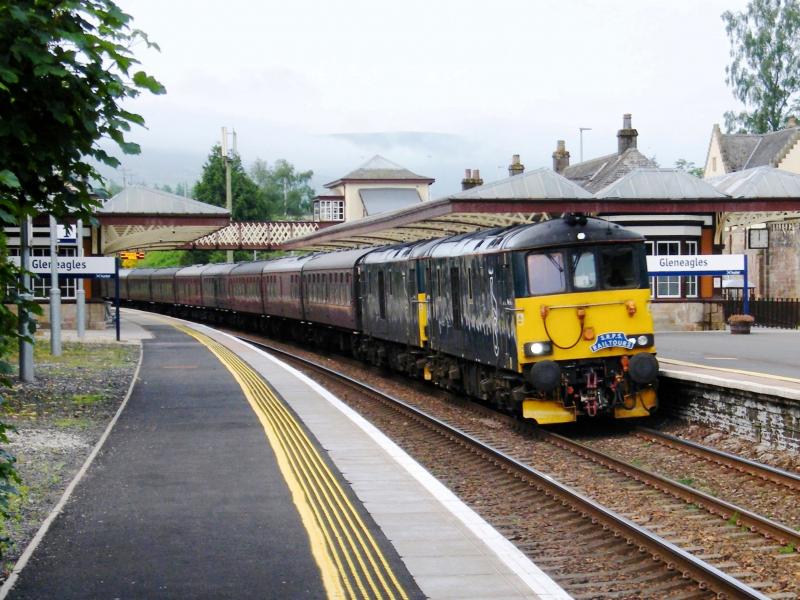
(587, 268)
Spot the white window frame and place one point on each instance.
(666, 283)
(329, 210)
(691, 282)
(40, 284)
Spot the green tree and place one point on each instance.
(66, 70)
(287, 193)
(248, 202)
(764, 72)
(689, 167)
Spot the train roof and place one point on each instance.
(565, 232)
(248, 268)
(287, 263)
(191, 271)
(165, 272)
(138, 273)
(343, 259)
(218, 269)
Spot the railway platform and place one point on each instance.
(230, 475)
(766, 361)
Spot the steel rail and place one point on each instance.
(760, 470)
(674, 558)
(778, 532)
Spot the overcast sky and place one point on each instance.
(437, 85)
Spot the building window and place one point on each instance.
(690, 283)
(668, 286)
(40, 284)
(329, 210)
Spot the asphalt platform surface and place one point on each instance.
(769, 351)
(184, 501)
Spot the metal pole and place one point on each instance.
(228, 192)
(80, 294)
(25, 318)
(55, 294)
(746, 296)
(228, 198)
(582, 129)
(116, 293)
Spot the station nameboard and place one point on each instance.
(71, 266)
(696, 264)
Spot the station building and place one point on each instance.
(377, 186)
(769, 239)
(629, 173)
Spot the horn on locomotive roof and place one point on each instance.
(575, 218)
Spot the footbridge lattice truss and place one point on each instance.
(254, 235)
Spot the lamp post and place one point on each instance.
(55, 293)
(80, 294)
(26, 323)
(582, 129)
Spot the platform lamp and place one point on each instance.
(226, 157)
(582, 129)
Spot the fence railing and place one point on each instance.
(768, 312)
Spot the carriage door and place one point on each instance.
(509, 320)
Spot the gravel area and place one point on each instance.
(59, 418)
(747, 556)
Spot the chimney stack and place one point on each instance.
(560, 157)
(472, 178)
(516, 167)
(626, 137)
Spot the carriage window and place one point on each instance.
(584, 273)
(546, 273)
(618, 268)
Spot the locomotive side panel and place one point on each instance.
(389, 293)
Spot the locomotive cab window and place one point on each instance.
(546, 273)
(584, 272)
(618, 268)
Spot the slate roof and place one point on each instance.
(745, 151)
(380, 168)
(759, 182)
(542, 183)
(660, 184)
(141, 200)
(595, 174)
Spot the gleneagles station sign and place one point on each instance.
(88, 267)
(702, 264)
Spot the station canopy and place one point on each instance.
(541, 193)
(140, 218)
(761, 182)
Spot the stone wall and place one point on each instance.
(687, 316)
(762, 417)
(774, 271)
(784, 260)
(95, 316)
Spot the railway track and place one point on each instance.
(590, 550)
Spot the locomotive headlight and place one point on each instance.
(641, 340)
(538, 349)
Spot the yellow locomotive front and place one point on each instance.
(584, 331)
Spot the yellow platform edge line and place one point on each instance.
(368, 553)
(289, 454)
(682, 363)
(366, 550)
(305, 454)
